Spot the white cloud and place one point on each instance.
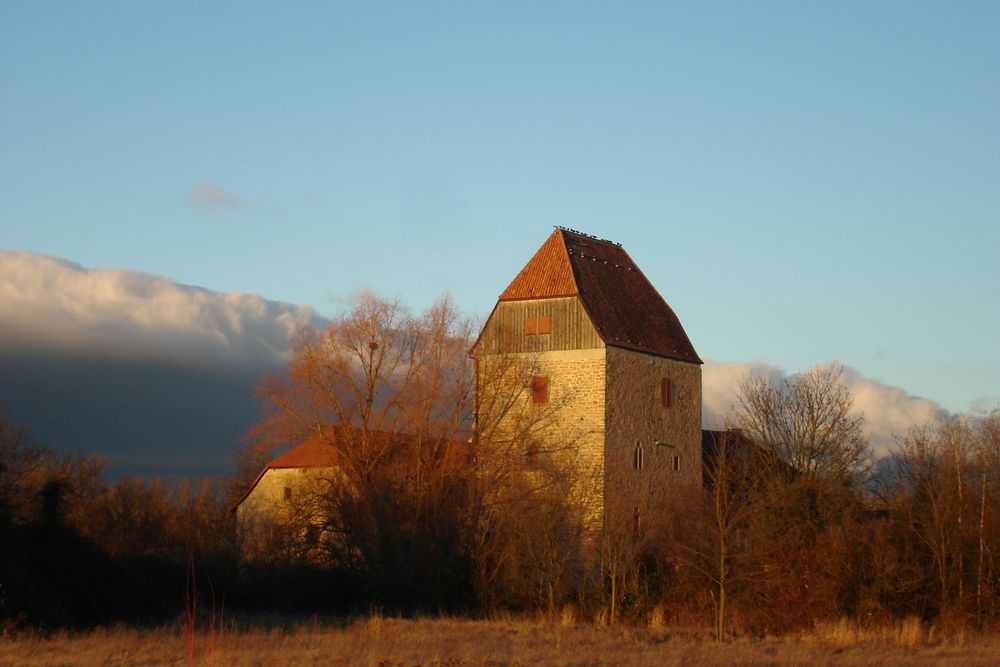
(50, 303)
(888, 411)
(212, 197)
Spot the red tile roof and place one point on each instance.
(321, 452)
(625, 308)
(548, 274)
(316, 452)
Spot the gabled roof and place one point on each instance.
(623, 305)
(320, 451)
(316, 452)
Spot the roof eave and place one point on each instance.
(645, 350)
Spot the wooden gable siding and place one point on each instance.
(570, 327)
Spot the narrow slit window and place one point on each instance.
(637, 458)
(666, 392)
(531, 455)
(677, 463)
(539, 389)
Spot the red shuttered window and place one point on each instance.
(540, 389)
(542, 324)
(666, 392)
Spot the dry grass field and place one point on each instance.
(389, 642)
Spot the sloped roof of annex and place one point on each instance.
(320, 451)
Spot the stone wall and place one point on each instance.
(570, 426)
(636, 419)
(266, 517)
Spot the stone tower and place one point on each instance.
(613, 362)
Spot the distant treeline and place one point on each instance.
(756, 553)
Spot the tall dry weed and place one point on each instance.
(657, 618)
(375, 622)
(567, 617)
(212, 637)
(909, 631)
(526, 641)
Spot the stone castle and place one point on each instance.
(612, 359)
(610, 364)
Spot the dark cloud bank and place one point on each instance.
(155, 376)
(142, 417)
(158, 377)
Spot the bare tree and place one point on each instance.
(814, 459)
(444, 472)
(38, 482)
(534, 491)
(712, 539)
(945, 489)
(804, 423)
(391, 395)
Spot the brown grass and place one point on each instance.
(384, 641)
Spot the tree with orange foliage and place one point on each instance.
(436, 492)
(391, 395)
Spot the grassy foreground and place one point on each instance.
(386, 642)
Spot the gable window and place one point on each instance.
(540, 389)
(666, 392)
(542, 324)
(638, 459)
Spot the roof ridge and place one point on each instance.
(588, 236)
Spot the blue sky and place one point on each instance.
(803, 181)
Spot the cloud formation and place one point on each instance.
(50, 303)
(155, 376)
(158, 376)
(888, 411)
(211, 197)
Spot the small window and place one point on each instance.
(637, 457)
(531, 455)
(288, 493)
(666, 392)
(541, 324)
(539, 389)
(677, 463)
(312, 535)
(637, 522)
